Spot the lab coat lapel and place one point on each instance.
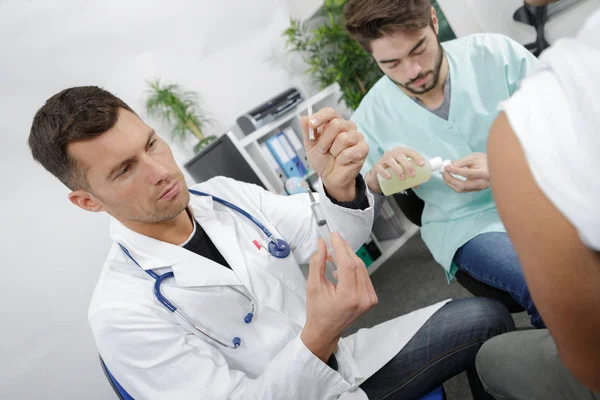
(189, 268)
(253, 269)
(192, 270)
(221, 229)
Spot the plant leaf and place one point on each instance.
(179, 108)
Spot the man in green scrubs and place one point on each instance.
(439, 100)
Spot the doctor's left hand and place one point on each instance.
(330, 309)
(474, 168)
(337, 154)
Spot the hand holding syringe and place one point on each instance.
(336, 151)
(322, 226)
(324, 231)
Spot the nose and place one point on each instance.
(412, 70)
(156, 171)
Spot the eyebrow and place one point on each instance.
(409, 53)
(122, 164)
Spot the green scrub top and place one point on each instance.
(485, 69)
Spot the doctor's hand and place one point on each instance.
(398, 160)
(330, 308)
(474, 168)
(337, 154)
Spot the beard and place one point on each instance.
(163, 215)
(436, 71)
(154, 212)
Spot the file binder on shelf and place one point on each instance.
(285, 155)
(298, 146)
(272, 162)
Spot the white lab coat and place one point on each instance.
(154, 357)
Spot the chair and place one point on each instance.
(437, 394)
(412, 207)
(537, 16)
(119, 391)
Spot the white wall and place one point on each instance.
(231, 52)
(475, 16)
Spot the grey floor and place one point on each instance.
(411, 279)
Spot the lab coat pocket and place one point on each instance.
(278, 284)
(285, 270)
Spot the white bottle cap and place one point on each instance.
(436, 163)
(445, 164)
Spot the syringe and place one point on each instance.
(311, 131)
(323, 228)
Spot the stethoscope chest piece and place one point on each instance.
(279, 248)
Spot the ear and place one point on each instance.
(434, 21)
(85, 200)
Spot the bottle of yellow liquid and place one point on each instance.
(422, 175)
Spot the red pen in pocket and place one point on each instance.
(259, 246)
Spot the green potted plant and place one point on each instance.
(181, 109)
(333, 56)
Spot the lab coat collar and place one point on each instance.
(189, 268)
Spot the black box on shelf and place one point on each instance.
(373, 250)
(388, 225)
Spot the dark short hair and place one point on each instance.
(368, 20)
(75, 114)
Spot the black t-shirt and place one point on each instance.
(201, 244)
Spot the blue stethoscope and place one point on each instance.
(277, 247)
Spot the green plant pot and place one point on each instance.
(203, 143)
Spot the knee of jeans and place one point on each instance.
(492, 316)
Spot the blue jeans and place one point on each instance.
(445, 346)
(490, 258)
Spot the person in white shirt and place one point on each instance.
(544, 156)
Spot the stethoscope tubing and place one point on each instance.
(158, 278)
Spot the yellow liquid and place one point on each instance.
(395, 184)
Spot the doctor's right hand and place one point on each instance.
(398, 160)
(330, 308)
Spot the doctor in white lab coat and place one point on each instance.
(154, 357)
(124, 168)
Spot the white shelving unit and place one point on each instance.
(389, 247)
(249, 147)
